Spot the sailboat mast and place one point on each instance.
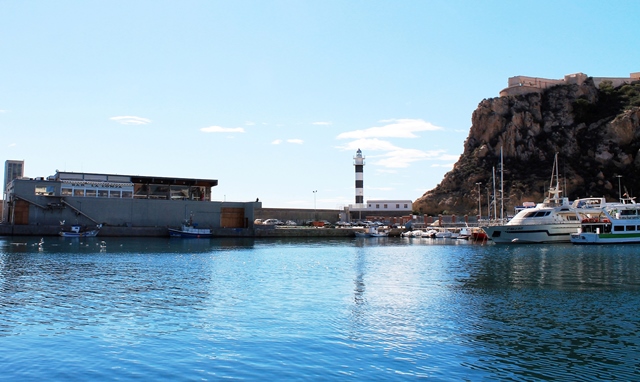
(495, 206)
(501, 187)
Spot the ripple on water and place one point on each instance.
(309, 309)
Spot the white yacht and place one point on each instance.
(552, 221)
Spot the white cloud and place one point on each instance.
(296, 141)
(401, 158)
(395, 128)
(368, 145)
(13, 145)
(322, 123)
(277, 142)
(130, 120)
(219, 129)
(394, 156)
(2, 111)
(388, 155)
(249, 123)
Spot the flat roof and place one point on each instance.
(139, 179)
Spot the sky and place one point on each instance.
(274, 98)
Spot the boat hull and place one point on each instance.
(189, 234)
(92, 233)
(592, 238)
(543, 233)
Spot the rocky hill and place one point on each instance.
(595, 131)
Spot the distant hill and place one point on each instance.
(595, 131)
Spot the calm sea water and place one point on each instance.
(347, 309)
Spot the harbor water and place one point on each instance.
(359, 309)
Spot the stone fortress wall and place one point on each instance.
(522, 84)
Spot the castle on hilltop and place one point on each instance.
(523, 84)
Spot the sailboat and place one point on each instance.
(552, 221)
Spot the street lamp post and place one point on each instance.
(315, 213)
(479, 206)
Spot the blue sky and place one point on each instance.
(273, 98)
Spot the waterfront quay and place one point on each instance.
(258, 231)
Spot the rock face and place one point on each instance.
(595, 131)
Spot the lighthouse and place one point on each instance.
(358, 162)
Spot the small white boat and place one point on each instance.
(79, 231)
(445, 234)
(464, 234)
(372, 232)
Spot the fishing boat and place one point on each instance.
(552, 221)
(79, 231)
(618, 223)
(190, 231)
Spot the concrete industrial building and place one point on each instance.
(130, 202)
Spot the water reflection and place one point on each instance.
(390, 309)
(553, 312)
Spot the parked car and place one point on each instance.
(290, 222)
(272, 222)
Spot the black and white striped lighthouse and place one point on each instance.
(358, 161)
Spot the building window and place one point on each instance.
(397, 206)
(103, 193)
(158, 191)
(66, 192)
(90, 193)
(44, 190)
(127, 194)
(385, 206)
(78, 192)
(377, 206)
(115, 194)
(405, 206)
(179, 192)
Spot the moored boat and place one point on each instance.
(552, 221)
(372, 232)
(79, 231)
(192, 231)
(618, 223)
